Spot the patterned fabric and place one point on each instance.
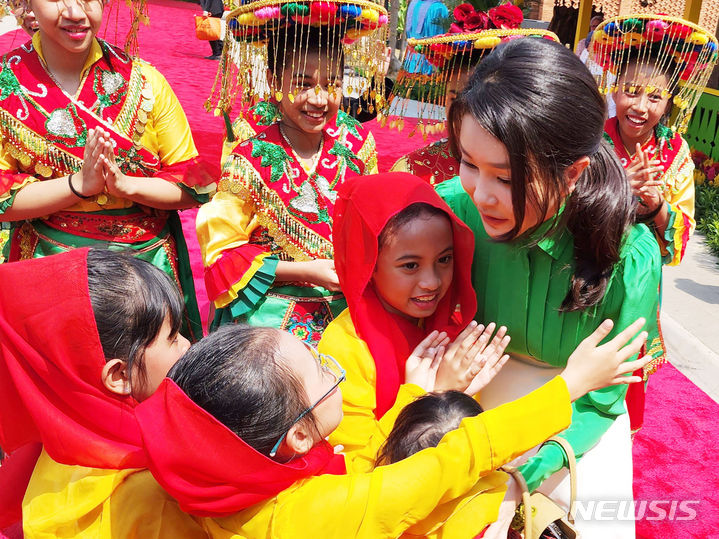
(677, 185)
(433, 163)
(44, 131)
(269, 208)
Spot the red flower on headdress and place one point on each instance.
(506, 16)
(468, 20)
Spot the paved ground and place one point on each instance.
(690, 316)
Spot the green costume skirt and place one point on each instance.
(302, 310)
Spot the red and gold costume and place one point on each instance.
(44, 131)
(269, 208)
(433, 163)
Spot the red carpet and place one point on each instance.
(673, 454)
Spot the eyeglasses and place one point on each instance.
(330, 366)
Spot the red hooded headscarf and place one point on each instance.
(51, 388)
(206, 467)
(364, 206)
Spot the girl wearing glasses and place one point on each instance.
(242, 390)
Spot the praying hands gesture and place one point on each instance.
(468, 364)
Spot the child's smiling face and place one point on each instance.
(415, 266)
(316, 87)
(640, 103)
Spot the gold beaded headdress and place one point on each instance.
(432, 64)
(679, 50)
(272, 34)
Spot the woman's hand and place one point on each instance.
(421, 366)
(593, 366)
(91, 180)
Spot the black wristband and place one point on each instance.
(74, 192)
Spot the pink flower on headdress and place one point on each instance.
(506, 16)
(656, 29)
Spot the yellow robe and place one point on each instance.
(76, 502)
(361, 434)
(416, 495)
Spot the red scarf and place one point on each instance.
(51, 361)
(363, 208)
(206, 467)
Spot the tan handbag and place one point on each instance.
(208, 28)
(545, 512)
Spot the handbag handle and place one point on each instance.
(572, 460)
(519, 478)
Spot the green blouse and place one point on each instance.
(522, 286)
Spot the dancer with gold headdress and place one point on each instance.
(265, 236)
(453, 55)
(96, 148)
(656, 68)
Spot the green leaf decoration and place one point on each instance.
(345, 120)
(273, 156)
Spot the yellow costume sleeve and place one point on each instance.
(76, 502)
(360, 433)
(232, 265)
(679, 194)
(167, 132)
(391, 499)
(11, 179)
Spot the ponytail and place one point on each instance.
(597, 213)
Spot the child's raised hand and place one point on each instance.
(490, 360)
(421, 366)
(461, 362)
(593, 366)
(642, 174)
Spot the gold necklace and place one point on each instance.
(315, 160)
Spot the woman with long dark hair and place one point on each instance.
(556, 248)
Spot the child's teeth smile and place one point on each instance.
(636, 120)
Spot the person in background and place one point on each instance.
(213, 8)
(583, 44)
(266, 235)
(96, 149)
